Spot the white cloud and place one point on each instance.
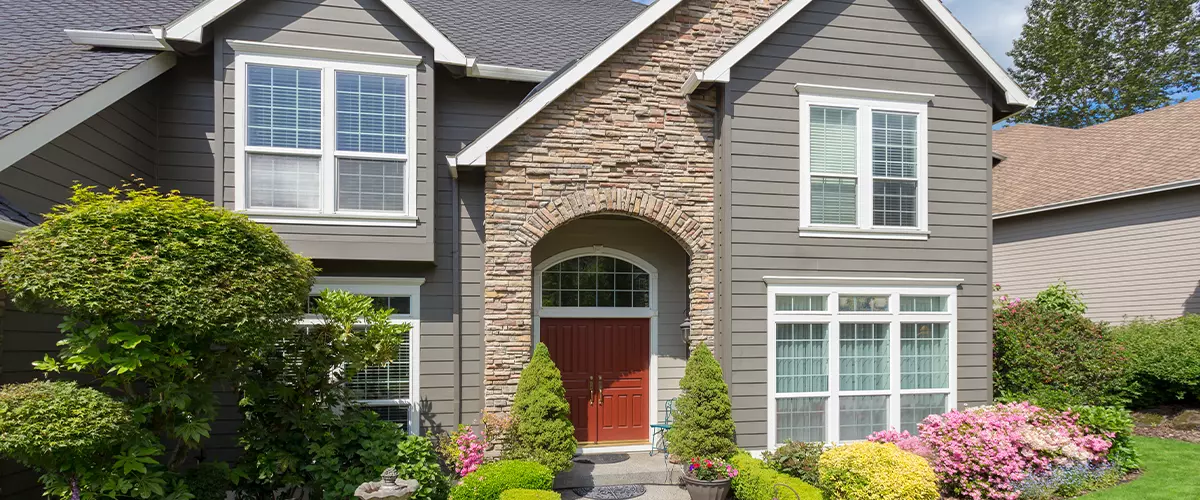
(995, 23)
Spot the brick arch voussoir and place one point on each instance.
(620, 201)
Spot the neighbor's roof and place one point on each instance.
(40, 69)
(1048, 167)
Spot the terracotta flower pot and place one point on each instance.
(707, 490)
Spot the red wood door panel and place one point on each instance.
(570, 344)
(623, 372)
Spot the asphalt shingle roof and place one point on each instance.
(537, 34)
(40, 69)
(1049, 165)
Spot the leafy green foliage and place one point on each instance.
(1055, 359)
(1061, 299)
(798, 460)
(291, 434)
(493, 479)
(703, 412)
(1091, 61)
(164, 295)
(1164, 359)
(522, 494)
(209, 480)
(542, 431)
(83, 441)
(1116, 423)
(878, 471)
(757, 481)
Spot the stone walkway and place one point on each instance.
(660, 478)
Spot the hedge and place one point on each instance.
(756, 481)
(1164, 359)
(491, 480)
(522, 494)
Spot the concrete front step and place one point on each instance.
(619, 468)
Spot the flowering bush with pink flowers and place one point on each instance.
(983, 453)
(462, 450)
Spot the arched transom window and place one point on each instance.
(595, 281)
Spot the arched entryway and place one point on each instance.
(609, 293)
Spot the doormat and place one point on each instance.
(607, 458)
(618, 492)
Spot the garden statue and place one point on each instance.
(387, 488)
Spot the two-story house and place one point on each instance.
(802, 184)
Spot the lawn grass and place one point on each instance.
(1171, 471)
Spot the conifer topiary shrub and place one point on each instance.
(703, 413)
(543, 432)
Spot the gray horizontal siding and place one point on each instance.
(114, 146)
(361, 25)
(186, 131)
(878, 44)
(1131, 258)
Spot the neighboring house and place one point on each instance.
(1112, 209)
(803, 185)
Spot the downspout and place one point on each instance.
(456, 315)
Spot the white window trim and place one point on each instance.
(389, 287)
(327, 213)
(833, 318)
(810, 96)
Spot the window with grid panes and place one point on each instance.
(851, 361)
(595, 281)
(325, 138)
(863, 165)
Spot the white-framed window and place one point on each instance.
(391, 390)
(324, 140)
(845, 361)
(864, 164)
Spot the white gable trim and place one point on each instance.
(476, 152)
(718, 71)
(50, 126)
(190, 27)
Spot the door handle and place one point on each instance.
(591, 391)
(601, 390)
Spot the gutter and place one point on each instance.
(1098, 199)
(117, 39)
(9, 229)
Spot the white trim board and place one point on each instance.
(190, 27)
(305, 52)
(476, 152)
(119, 39)
(27, 139)
(719, 70)
(1099, 199)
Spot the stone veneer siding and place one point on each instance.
(621, 141)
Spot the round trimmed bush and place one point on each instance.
(491, 480)
(522, 494)
(879, 471)
(58, 426)
(757, 481)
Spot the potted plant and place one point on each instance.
(708, 478)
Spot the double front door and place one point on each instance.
(605, 365)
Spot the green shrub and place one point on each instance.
(798, 460)
(1062, 299)
(1054, 359)
(543, 432)
(209, 481)
(521, 494)
(491, 480)
(82, 440)
(1164, 359)
(703, 426)
(1116, 422)
(757, 481)
(164, 296)
(879, 471)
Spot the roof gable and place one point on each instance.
(719, 70)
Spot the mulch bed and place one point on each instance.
(1168, 433)
(1176, 422)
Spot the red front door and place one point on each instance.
(605, 365)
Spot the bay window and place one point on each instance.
(863, 163)
(324, 140)
(847, 361)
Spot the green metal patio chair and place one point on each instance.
(658, 439)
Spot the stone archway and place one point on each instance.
(508, 272)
